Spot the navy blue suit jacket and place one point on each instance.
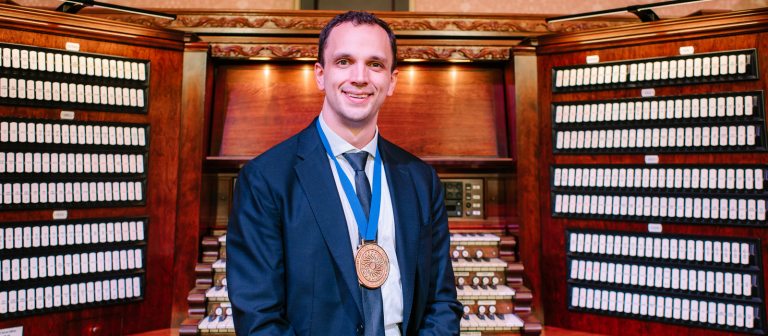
(290, 267)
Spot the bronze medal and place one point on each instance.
(372, 265)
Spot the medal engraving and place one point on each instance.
(372, 265)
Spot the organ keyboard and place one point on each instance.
(219, 322)
(488, 278)
(488, 320)
(474, 245)
(479, 272)
(492, 306)
(490, 301)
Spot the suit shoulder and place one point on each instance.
(275, 159)
(404, 157)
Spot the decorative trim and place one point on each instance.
(526, 26)
(304, 22)
(263, 50)
(16, 18)
(689, 28)
(454, 53)
(432, 53)
(291, 23)
(282, 34)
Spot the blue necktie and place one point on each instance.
(372, 303)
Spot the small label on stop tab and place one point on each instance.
(592, 59)
(67, 115)
(687, 50)
(651, 159)
(60, 214)
(649, 92)
(72, 46)
(654, 227)
(15, 331)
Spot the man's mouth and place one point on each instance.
(357, 95)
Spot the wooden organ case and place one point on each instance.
(651, 177)
(249, 84)
(90, 152)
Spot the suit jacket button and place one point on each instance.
(360, 329)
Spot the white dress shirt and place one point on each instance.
(391, 291)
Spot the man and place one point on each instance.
(337, 231)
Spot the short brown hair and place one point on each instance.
(356, 18)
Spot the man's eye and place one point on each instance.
(342, 62)
(377, 65)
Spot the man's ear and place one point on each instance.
(393, 82)
(319, 73)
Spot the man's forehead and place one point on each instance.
(340, 34)
(349, 26)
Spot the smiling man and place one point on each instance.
(337, 231)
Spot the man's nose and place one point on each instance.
(359, 74)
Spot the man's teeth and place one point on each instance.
(359, 96)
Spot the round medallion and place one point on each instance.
(372, 265)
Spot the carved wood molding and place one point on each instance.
(271, 50)
(402, 23)
(49, 22)
(723, 24)
(472, 37)
(449, 53)
(292, 51)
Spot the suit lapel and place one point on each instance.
(317, 180)
(407, 223)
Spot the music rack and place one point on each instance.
(666, 145)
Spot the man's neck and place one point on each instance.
(356, 134)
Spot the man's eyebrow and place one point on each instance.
(378, 58)
(341, 55)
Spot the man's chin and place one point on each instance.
(357, 117)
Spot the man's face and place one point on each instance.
(357, 75)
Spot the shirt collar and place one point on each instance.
(340, 146)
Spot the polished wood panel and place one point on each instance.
(165, 56)
(634, 42)
(448, 110)
(196, 81)
(256, 106)
(528, 156)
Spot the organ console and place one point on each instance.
(470, 143)
(84, 199)
(490, 303)
(626, 163)
(493, 128)
(653, 178)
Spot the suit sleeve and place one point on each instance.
(443, 311)
(255, 265)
